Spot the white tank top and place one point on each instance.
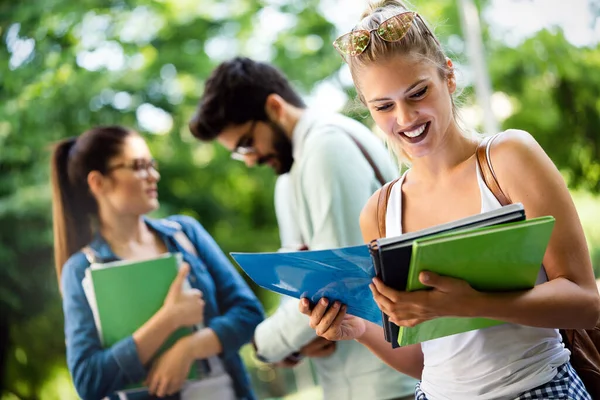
(493, 363)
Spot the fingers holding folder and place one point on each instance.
(412, 308)
(332, 323)
(185, 304)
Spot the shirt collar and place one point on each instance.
(304, 125)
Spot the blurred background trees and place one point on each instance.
(66, 66)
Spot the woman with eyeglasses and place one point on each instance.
(404, 78)
(104, 182)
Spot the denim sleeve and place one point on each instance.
(241, 310)
(96, 372)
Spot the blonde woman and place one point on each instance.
(404, 78)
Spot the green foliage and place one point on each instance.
(588, 207)
(554, 88)
(70, 65)
(70, 82)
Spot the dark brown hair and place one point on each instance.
(235, 93)
(73, 206)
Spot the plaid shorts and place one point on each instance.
(565, 385)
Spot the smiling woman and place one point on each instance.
(403, 76)
(431, 77)
(104, 183)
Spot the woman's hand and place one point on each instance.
(170, 371)
(184, 306)
(449, 297)
(179, 309)
(332, 324)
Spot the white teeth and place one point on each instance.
(415, 132)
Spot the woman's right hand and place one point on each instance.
(184, 306)
(332, 324)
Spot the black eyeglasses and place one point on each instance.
(245, 144)
(139, 166)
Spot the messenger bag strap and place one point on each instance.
(382, 202)
(487, 172)
(367, 156)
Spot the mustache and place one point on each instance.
(264, 159)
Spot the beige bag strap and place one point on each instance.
(180, 237)
(90, 254)
(487, 172)
(382, 202)
(184, 241)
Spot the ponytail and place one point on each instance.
(73, 206)
(70, 207)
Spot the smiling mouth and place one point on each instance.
(416, 132)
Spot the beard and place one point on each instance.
(282, 154)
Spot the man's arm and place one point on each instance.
(285, 337)
(283, 333)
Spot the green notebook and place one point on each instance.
(497, 258)
(128, 293)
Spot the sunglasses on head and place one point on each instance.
(391, 30)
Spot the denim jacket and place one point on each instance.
(231, 310)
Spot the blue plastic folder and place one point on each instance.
(487, 247)
(342, 274)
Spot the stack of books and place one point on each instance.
(494, 251)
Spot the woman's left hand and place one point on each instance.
(170, 371)
(448, 297)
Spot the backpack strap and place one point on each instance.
(181, 238)
(185, 242)
(584, 344)
(90, 254)
(382, 202)
(487, 171)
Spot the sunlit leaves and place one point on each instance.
(556, 86)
